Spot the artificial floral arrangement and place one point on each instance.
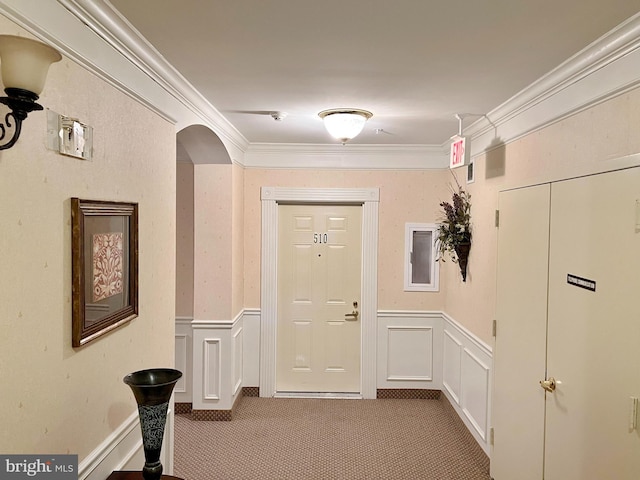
(454, 232)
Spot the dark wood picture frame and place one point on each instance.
(104, 252)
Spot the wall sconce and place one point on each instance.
(25, 64)
(344, 123)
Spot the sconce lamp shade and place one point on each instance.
(25, 63)
(344, 124)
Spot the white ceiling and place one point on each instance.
(413, 63)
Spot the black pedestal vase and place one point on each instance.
(152, 389)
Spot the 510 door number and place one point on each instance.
(320, 237)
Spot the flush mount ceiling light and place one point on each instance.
(344, 123)
(25, 64)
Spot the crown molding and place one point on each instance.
(51, 23)
(108, 24)
(94, 35)
(602, 70)
(349, 156)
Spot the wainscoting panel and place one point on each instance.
(251, 348)
(181, 362)
(237, 347)
(218, 364)
(451, 370)
(467, 362)
(410, 353)
(184, 362)
(409, 350)
(474, 391)
(211, 367)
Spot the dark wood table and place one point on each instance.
(136, 475)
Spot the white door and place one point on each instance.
(319, 284)
(587, 257)
(594, 328)
(520, 344)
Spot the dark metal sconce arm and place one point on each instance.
(21, 102)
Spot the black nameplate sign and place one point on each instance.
(581, 282)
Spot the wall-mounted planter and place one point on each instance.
(462, 252)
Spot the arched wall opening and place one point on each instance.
(209, 274)
(204, 194)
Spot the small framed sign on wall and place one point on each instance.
(471, 172)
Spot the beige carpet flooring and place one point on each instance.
(281, 438)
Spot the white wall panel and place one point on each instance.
(475, 389)
(251, 348)
(184, 359)
(218, 351)
(467, 363)
(237, 348)
(181, 361)
(451, 369)
(211, 368)
(409, 350)
(410, 353)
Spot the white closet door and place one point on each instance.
(594, 336)
(520, 345)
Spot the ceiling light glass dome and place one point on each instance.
(344, 123)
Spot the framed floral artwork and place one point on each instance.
(104, 252)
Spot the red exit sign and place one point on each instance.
(460, 153)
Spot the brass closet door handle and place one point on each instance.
(549, 385)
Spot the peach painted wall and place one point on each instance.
(184, 239)
(55, 398)
(213, 240)
(405, 196)
(574, 146)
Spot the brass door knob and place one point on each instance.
(548, 385)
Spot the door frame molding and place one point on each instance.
(270, 197)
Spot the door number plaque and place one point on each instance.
(320, 237)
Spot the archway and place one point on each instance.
(204, 236)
